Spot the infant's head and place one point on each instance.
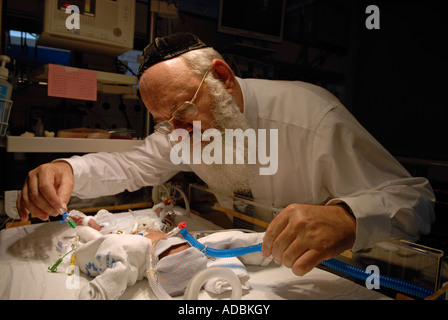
(175, 271)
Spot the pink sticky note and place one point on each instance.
(72, 83)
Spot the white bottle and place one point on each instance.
(5, 94)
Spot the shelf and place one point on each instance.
(41, 74)
(68, 145)
(107, 82)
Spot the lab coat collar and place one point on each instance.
(250, 103)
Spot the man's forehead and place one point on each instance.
(164, 73)
(161, 92)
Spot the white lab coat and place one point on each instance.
(325, 156)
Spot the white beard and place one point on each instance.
(226, 179)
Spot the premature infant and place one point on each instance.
(118, 258)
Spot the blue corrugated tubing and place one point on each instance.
(219, 253)
(386, 281)
(355, 272)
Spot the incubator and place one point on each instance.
(443, 283)
(415, 271)
(403, 267)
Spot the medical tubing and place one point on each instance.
(66, 218)
(195, 284)
(386, 281)
(158, 290)
(358, 273)
(218, 253)
(160, 293)
(58, 262)
(187, 204)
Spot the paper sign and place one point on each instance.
(72, 83)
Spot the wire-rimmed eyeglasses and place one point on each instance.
(186, 111)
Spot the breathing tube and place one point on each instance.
(217, 253)
(386, 281)
(151, 273)
(355, 272)
(194, 286)
(196, 283)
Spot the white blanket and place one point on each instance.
(116, 262)
(229, 240)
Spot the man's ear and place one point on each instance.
(224, 73)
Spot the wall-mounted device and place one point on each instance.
(105, 26)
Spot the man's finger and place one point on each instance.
(295, 249)
(274, 229)
(36, 211)
(306, 262)
(23, 213)
(37, 202)
(283, 242)
(64, 193)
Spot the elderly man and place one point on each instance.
(340, 189)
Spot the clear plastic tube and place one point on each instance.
(151, 273)
(187, 204)
(195, 284)
(217, 253)
(160, 293)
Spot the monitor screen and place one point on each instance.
(257, 19)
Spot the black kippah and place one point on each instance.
(168, 47)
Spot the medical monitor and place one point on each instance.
(105, 26)
(256, 19)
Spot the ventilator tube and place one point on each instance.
(196, 283)
(217, 253)
(386, 281)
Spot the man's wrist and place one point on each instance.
(352, 225)
(347, 208)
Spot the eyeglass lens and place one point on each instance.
(164, 127)
(185, 112)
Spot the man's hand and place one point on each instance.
(46, 189)
(302, 236)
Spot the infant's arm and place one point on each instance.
(92, 223)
